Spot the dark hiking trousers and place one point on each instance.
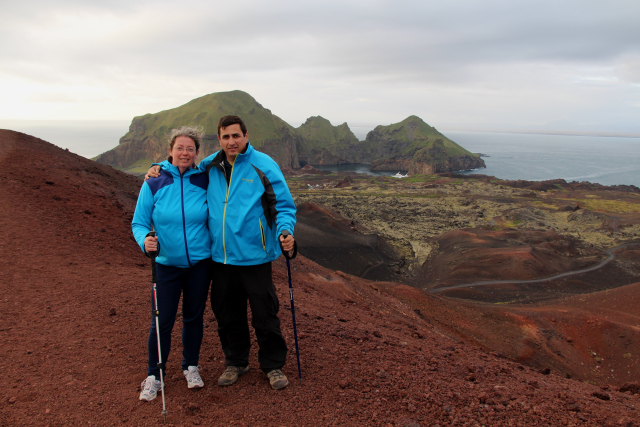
(231, 287)
(193, 284)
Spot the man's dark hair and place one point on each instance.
(227, 121)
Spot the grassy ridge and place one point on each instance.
(416, 137)
(206, 111)
(316, 141)
(319, 133)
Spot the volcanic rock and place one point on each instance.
(62, 275)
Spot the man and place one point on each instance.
(249, 207)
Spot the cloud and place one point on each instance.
(628, 68)
(351, 60)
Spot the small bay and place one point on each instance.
(604, 160)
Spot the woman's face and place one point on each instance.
(183, 153)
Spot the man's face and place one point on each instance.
(232, 141)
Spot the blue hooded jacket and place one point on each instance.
(247, 216)
(177, 207)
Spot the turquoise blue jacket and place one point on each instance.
(247, 216)
(177, 207)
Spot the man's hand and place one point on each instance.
(153, 172)
(287, 243)
(151, 244)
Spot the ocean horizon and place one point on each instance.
(87, 138)
(606, 160)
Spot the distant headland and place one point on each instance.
(411, 145)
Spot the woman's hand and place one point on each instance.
(151, 244)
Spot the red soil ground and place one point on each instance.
(75, 314)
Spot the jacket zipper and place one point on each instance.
(224, 214)
(184, 225)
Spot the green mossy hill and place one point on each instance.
(147, 136)
(414, 146)
(324, 143)
(411, 145)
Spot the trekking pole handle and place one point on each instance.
(153, 255)
(285, 234)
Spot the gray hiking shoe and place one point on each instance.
(277, 379)
(231, 374)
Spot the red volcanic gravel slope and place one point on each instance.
(75, 315)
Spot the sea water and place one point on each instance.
(538, 157)
(87, 138)
(533, 157)
(356, 167)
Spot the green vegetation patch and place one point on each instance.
(544, 205)
(514, 223)
(419, 178)
(418, 140)
(140, 166)
(618, 206)
(405, 195)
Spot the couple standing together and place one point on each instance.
(220, 223)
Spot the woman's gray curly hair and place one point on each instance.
(196, 133)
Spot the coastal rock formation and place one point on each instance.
(317, 141)
(146, 140)
(417, 148)
(325, 144)
(283, 148)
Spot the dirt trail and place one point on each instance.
(610, 257)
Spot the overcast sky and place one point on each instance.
(492, 64)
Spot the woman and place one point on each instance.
(175, 205)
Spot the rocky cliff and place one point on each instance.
(411, 145)
(147, 136)
(417, 148)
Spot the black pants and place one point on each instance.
(231, 287)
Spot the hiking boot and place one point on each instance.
(193, 377)
(231, 374)
(277, 379)
(150, 387)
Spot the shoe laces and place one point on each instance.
(192, 374)
(149, 384)
(231, 370)
(276, 375)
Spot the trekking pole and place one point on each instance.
(285, 233)
(156, 313)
